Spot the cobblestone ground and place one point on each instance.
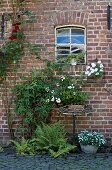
(44, 162)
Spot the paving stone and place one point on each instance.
(45, 162)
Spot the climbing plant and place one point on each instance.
(12, 50)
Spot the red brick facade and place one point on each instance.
(93, 15)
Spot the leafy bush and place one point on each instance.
(31, 103)
(52, 139)
(51, 86)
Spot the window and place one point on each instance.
(70, 40)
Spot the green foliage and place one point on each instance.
(13, 49)
(52, 139)
(31, 102)
(62, 150)
(69, 91)
(78, 58)
(10, 54)
(22, 147)
(51, 86)
(47, 139)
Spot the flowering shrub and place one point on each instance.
(34, 99)
(66, 91)
(91, 138)
(95, 69)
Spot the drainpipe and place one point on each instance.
(108, 16)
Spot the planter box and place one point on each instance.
(72, 109)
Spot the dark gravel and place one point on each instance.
(99, 161)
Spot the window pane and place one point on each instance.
(77, 36)
(63, 40)
(77, 39)
(77, 47)
(63, 36)
(63, 50)
(63, 32)
(77, 32)
(74, 49)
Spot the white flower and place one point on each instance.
(92, 71)
(101, 70)
(88, 67)
(47, 89)
(69, 87)
(99, 62)
(62, 78)
(101, 65)
(52, 100)
(58, 100)
(96, 69)
(47, 100)
(87, 72)
(52, 91)
(72, 86)
(57, 84)
(91, 68)
(93, 65)
(97, 74)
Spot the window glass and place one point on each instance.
(63, 36)
(70, 40)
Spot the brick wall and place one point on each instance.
(91, 14)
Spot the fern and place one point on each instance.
(50, 135)
(61, 150)
(21, 147)
(52, 138)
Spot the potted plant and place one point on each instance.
(75, 58)
(90, 141)
(95, 69)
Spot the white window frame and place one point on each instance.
(69, 44)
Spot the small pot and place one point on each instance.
(89, 148)
(73, 62)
